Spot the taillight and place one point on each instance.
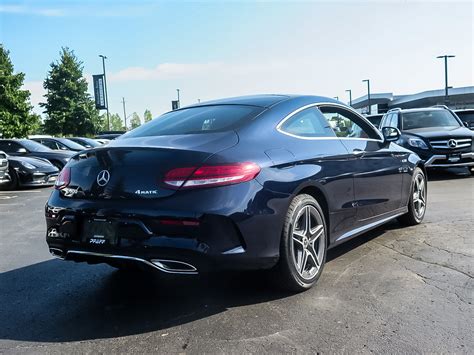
(63, 179)
(207, 176)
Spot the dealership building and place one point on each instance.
(459, 98)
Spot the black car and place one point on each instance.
(25, 171)
(86, 142)
(29, 148)
(259, 182)
(375, 119)
(60, 144)
(467, 117)
(436, 134)
(108, 136)
(3, 168)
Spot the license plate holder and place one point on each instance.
(454, 158)
(100, 232)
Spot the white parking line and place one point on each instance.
(20, 191)
(6, 197)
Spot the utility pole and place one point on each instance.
(446, 87)
(368, 94)
(179, 102)
(124, 113)
(350, 96)
(105, 87)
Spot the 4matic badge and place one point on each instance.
(146, 192)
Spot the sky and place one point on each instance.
(215, 49)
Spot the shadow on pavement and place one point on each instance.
(56, 301)
(448, 174)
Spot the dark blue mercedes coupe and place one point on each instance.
(260, 182)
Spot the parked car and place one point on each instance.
(60, 144)
(466, 116)
(28, 171)
(375, 119)
(258, 182)
(436, 134)
(108, 136)
(29, 148)
(86, 142)
(102, 141)
(3, 168)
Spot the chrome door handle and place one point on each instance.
(358, 152)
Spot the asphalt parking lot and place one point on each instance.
(398, 290)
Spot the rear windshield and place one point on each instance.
(201, 119)
(33, 146)
(70, 144)
(425, 119)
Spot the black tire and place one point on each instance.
(412, 217)
(13, 183)
(285, 273)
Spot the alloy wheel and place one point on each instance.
(419, 195)
(308, 242)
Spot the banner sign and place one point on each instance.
(99, 92)
(174, 105)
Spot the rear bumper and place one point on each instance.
(441, 161)
(232, 233)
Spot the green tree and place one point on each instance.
(147, 116)
(70, 109)
(116, 123)
(16, 118)
(135, 121)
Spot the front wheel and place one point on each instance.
(12, 184)
(418, 199)
(303, 245)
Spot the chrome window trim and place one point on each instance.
(319, 104)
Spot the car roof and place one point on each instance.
(422, 109)
(465, 110)
(264, 101)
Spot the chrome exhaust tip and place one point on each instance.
(57, 253)
(174, 266)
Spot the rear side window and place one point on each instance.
(308, 123)
(201, 119)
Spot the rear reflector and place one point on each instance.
(179, 222)
(63, 179)
(207, 176)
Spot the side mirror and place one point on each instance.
(466, 124)
(391, 134)
(22, 151)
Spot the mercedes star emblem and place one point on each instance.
(452, 143)
(103, 178)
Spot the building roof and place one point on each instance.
(457, 97)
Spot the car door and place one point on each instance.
(320, 151)
(375, 165)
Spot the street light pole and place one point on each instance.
(124, 113)
(446, 87)
(105, 87)
(350, 96)
(368, 94)
(179, 102)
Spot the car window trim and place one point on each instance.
(317, 105)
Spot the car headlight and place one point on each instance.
(28, 165)
(417, 143)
